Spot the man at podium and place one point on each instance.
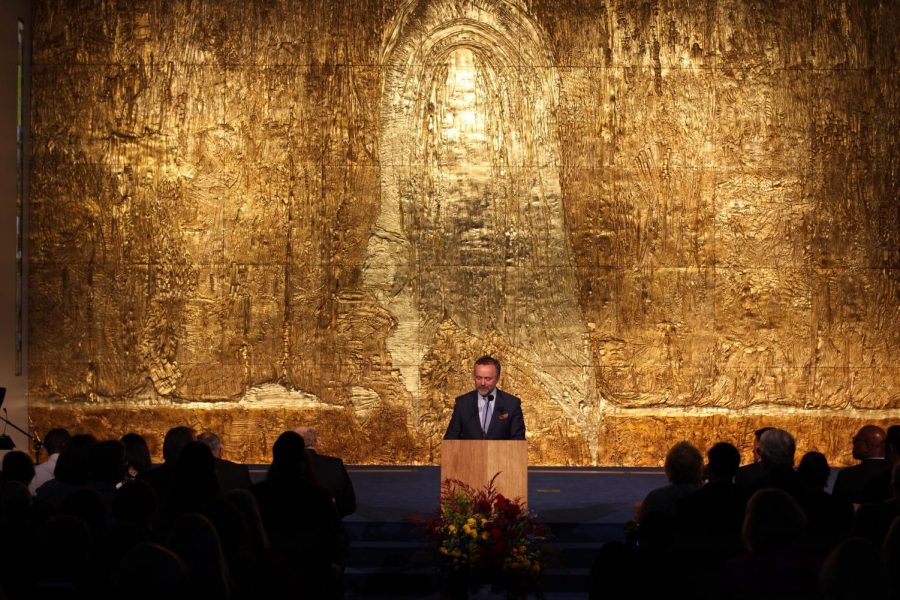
(486, 413)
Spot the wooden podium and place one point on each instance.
(474, 462)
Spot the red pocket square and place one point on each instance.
(503, 416)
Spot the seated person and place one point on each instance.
(684, 468)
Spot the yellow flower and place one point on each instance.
(483, 521)
(484, 535)
(471, 521)
(452, 528)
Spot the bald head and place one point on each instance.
(309, 436)
(869, 443)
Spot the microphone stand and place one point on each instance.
(33, 438)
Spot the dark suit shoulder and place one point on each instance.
(324, 459)
(506, 397)
(473, 395)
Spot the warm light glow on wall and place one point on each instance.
(668, 220)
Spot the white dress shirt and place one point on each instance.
(486, 409)
(43, 473)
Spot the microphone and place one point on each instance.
(487, 399)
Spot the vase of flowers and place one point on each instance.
(484, 538)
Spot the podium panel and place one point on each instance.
(474, 462)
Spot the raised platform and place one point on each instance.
(390, 557)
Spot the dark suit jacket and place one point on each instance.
(232, 476)
(160, 479)
(851, 482)
(331, 474)
(749, 476)
(507, 422)
(716, 508)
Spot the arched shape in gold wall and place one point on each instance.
(471, 236)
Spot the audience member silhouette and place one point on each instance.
(621, 570)
(283, 538)
(151, 572)
(231, 475)
(776, 452)
(869, 449)
(54, 442)
(195, 540)
(72, 471)
(246, 560)
(87, 505)
(106, 470)
(301, 521)
(137, 455)
(134, 508)
(66, 569)
(890, 553)
(748, 476)
(330, 473)
(245, 503)
(19, 542)
(775, 565)
(193, 483)
(684, 469)
(717, 507)
(879, 487)
(709, 523)
(873, 519)
(826, 515)
(854, 569)
(17, 466)
(160, 477)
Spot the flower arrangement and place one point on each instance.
(482, 536)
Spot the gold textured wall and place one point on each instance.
(670, 220)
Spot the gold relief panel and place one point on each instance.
(669, 224)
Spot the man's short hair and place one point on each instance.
(773, 521)
(777, 447)
(55, 440)
(892, 440)
(487, 359)
(107, 461)
(17, 466)
(175, 441)
(814, 470)
(758, 433)
(212, 441)
(723, 461)
(684, 464)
